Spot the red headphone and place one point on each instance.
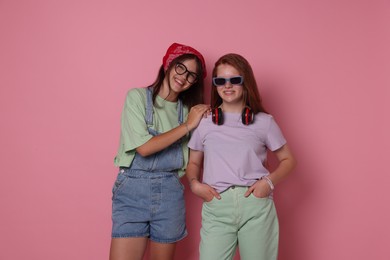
(247, 116)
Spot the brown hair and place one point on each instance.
(193, 95)
(252, 96)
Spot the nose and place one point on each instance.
(228, 84)
(184, 75)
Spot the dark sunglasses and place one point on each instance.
(218, 81)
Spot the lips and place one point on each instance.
(178, 81)
(229, 92)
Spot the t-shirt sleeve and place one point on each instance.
(134, 129)
(195, 142)
(275, 138)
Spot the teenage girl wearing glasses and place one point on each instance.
(231, 147)
(147, 201)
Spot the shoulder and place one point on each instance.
(263, 118)
(264, 122)
(204, 126)
(136, 95)
(206, 122)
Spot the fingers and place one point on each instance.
(200, 106)
(206, 192)
(208, 112)
(259, 189)
(211, 194)
(201, 109)
(249, 191)
(215, 193)
(197, 112)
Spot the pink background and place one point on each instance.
(65, 66)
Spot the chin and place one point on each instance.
(230, 99)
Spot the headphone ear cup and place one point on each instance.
(217, 116)
(247, 116)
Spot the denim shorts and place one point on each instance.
(148, 204)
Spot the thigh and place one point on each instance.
(160, 251)
(258, 236)
(219, 230)
(127, 248)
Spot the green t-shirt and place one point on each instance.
(134, 131)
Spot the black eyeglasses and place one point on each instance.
(219, 81)
(181, 69)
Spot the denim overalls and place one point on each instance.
(148, 197)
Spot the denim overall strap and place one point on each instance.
(149, 108)
(169, 159)
(180, 111)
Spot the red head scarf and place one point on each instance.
(176, 50)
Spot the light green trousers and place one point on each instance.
(250, 223)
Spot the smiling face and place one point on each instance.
(232, 95)
(179, 83)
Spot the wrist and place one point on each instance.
(268, 180)
(187, 128)
(192, 180)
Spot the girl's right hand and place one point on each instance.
(195, 115)
(204, 191)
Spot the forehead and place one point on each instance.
(227, 70)
(190, 64)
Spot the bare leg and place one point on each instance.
(160, 251)
(128, 248)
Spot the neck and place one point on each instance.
(232, 108)
(166, 93)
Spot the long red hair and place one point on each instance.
(252, 96)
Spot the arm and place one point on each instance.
(287, 162)
(162, 141)
(194, 167)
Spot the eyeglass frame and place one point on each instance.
(193, 74)
(227, 80)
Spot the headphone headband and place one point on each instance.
(247, 116)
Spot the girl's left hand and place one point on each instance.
(260, 189)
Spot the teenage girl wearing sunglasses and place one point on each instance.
(231, 148)
(148, 202)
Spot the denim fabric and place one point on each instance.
(148, 205)
(148, 197)
(167, 160)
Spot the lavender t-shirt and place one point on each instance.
(234, 153)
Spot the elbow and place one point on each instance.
(143, 152)
(293, 163)
(289, 163)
